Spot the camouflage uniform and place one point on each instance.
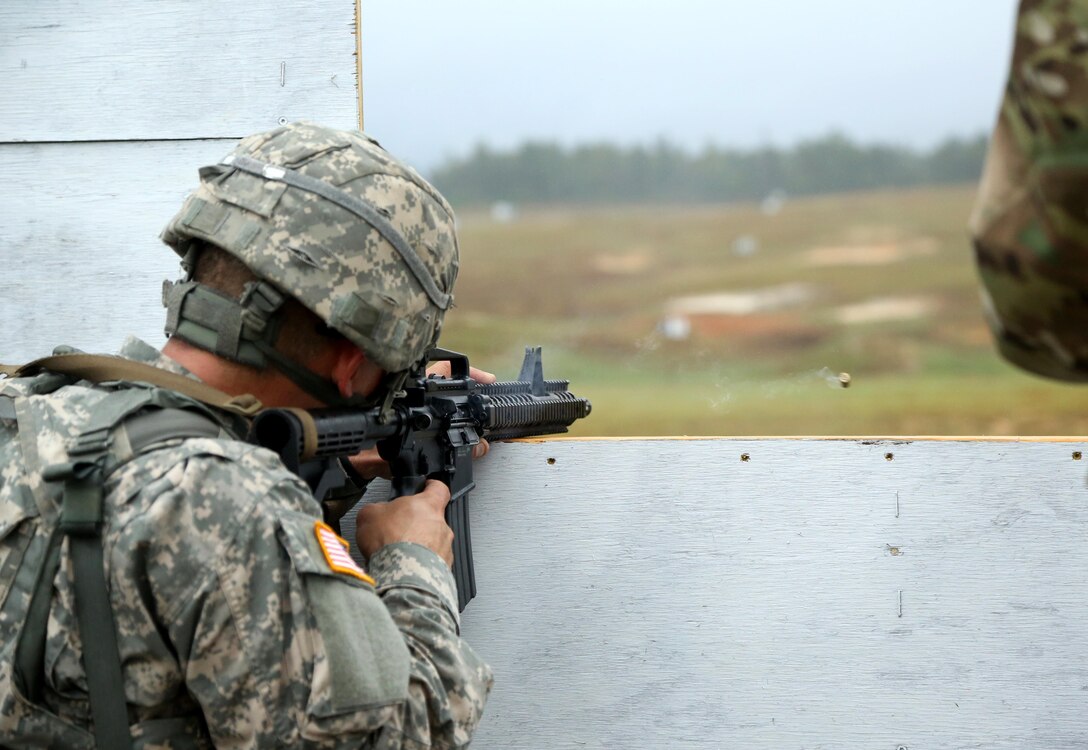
(237, 625)
(234, 630)
(1030, 223)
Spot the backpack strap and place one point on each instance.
(92, 456)
(98, 368)
(81, 518)
(81, 521)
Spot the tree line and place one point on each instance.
(543, 173)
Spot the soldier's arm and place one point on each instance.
(282, 642)
(409, 547)
(448, 682)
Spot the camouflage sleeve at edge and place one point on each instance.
(449, 682)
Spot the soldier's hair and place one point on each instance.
(303, 335)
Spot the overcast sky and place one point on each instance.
(440, 77)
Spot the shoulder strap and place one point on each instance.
(99, 368)
(81, 520)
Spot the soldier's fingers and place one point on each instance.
(481, 376)
(442, 369)
(480, 449)
(439, 368)
(370, 465)
(436, 493)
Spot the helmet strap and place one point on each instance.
(245, 331)
(227, 327)
(189, 259)
(323, 390)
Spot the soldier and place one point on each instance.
(318, 272)
(1030, 223)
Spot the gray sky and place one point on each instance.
(440, 77)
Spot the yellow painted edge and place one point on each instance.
(850, 438)
(359, 58)
(356, 572)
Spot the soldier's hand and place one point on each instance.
(444, 369)
(412, 518)
(370, 465)
(480, 376)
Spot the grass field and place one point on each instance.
(883, 287)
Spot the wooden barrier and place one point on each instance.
(131, 70)
(783, 593)
(110, 107)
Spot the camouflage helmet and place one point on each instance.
(1030, 223)
(331, 219)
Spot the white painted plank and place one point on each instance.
(82, 262)
(136, 70)
(667, 594)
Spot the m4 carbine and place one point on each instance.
(428, 434)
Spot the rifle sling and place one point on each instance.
(99, 368)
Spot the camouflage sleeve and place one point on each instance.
(1029, 226)
(280, 639)
(449, 682)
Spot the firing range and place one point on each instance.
(637, 593)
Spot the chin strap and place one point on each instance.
(245, 331)
(323, 390)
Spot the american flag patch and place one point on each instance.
(336, 553)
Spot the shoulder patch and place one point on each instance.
(336, 554)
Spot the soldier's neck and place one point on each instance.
(271, 387)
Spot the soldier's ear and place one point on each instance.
(348, 362)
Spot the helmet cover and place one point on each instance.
(334, 221)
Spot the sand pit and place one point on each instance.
(876, 254)
(622, 264)
(885, 309)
